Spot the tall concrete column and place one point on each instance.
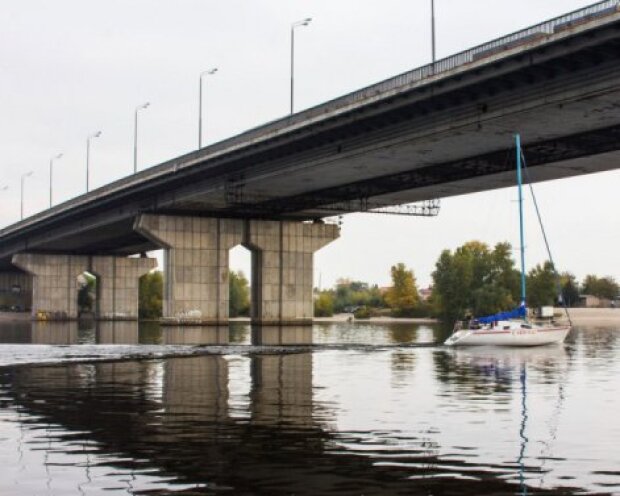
(55, 288)
(54, 285)
(118, 282)
(196, 266)
(285, 269)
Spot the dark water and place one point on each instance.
(364, 411)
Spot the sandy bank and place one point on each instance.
(345, 317)
(608, 317)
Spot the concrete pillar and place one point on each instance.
(15, 290)
(54, 293)
(285, 269)
(118, 285)
(196, 266)
(54, 285)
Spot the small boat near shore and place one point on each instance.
(511, 328)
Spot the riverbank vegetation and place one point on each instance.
(473, 279)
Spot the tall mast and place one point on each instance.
(521, 234)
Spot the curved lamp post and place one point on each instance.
(135, 135)
(56, 157)
(209, 72)
(303, 22)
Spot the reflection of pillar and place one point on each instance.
(196, 387)
(117, 285)
(117, 333)
(196, 272)
(54, 332)
(54, 293)
(195, 335)
(281, 335)
(282, 389)
(16, 290)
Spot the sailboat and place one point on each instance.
(511, 328)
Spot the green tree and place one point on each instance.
(350, 294)
(324, 304)
(150, 300)
(542, 287)
(239, 290)
(403, 296)
(86, 293)
(474, 279)
(569, 289)
(604, 287)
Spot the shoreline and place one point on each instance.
(608, 317)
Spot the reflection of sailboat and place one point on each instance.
(510, 328)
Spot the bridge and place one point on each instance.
(440, 130)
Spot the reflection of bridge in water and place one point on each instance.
(199, 419)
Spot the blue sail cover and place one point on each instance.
(517, 313)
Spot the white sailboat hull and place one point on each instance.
(536, 336)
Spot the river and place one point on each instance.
(347, 408)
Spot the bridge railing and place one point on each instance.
(499, 45)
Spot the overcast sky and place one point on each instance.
(72, 67)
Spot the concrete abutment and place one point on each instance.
(197, 261)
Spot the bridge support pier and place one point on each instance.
(118, 281)
(196, 266)
(55, 284)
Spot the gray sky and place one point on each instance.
(72, 67)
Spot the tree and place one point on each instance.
(605, 287)
(239, 292)
(403, 296)
(542, 287)
(324, 304)
(475, 279)
(86, 293)
(150, 298)
(350, 294)
(569, 289)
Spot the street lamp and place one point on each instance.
(303, 22)
(135, 135)
(210, 72)
(52, 173)
(433, 31)
(24, 176)
(94, 135)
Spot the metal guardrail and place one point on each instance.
(479, 52)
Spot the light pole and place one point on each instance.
(21, 211)
(52, 174)
(303, 22)
(210, 72)
(94, 135)
(135, 135)
(433, 30)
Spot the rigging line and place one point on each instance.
(544, 233)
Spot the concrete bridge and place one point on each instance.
(440, 130)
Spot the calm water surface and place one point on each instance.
(365, 410)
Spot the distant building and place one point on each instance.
(590, 301)
(425, 293)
